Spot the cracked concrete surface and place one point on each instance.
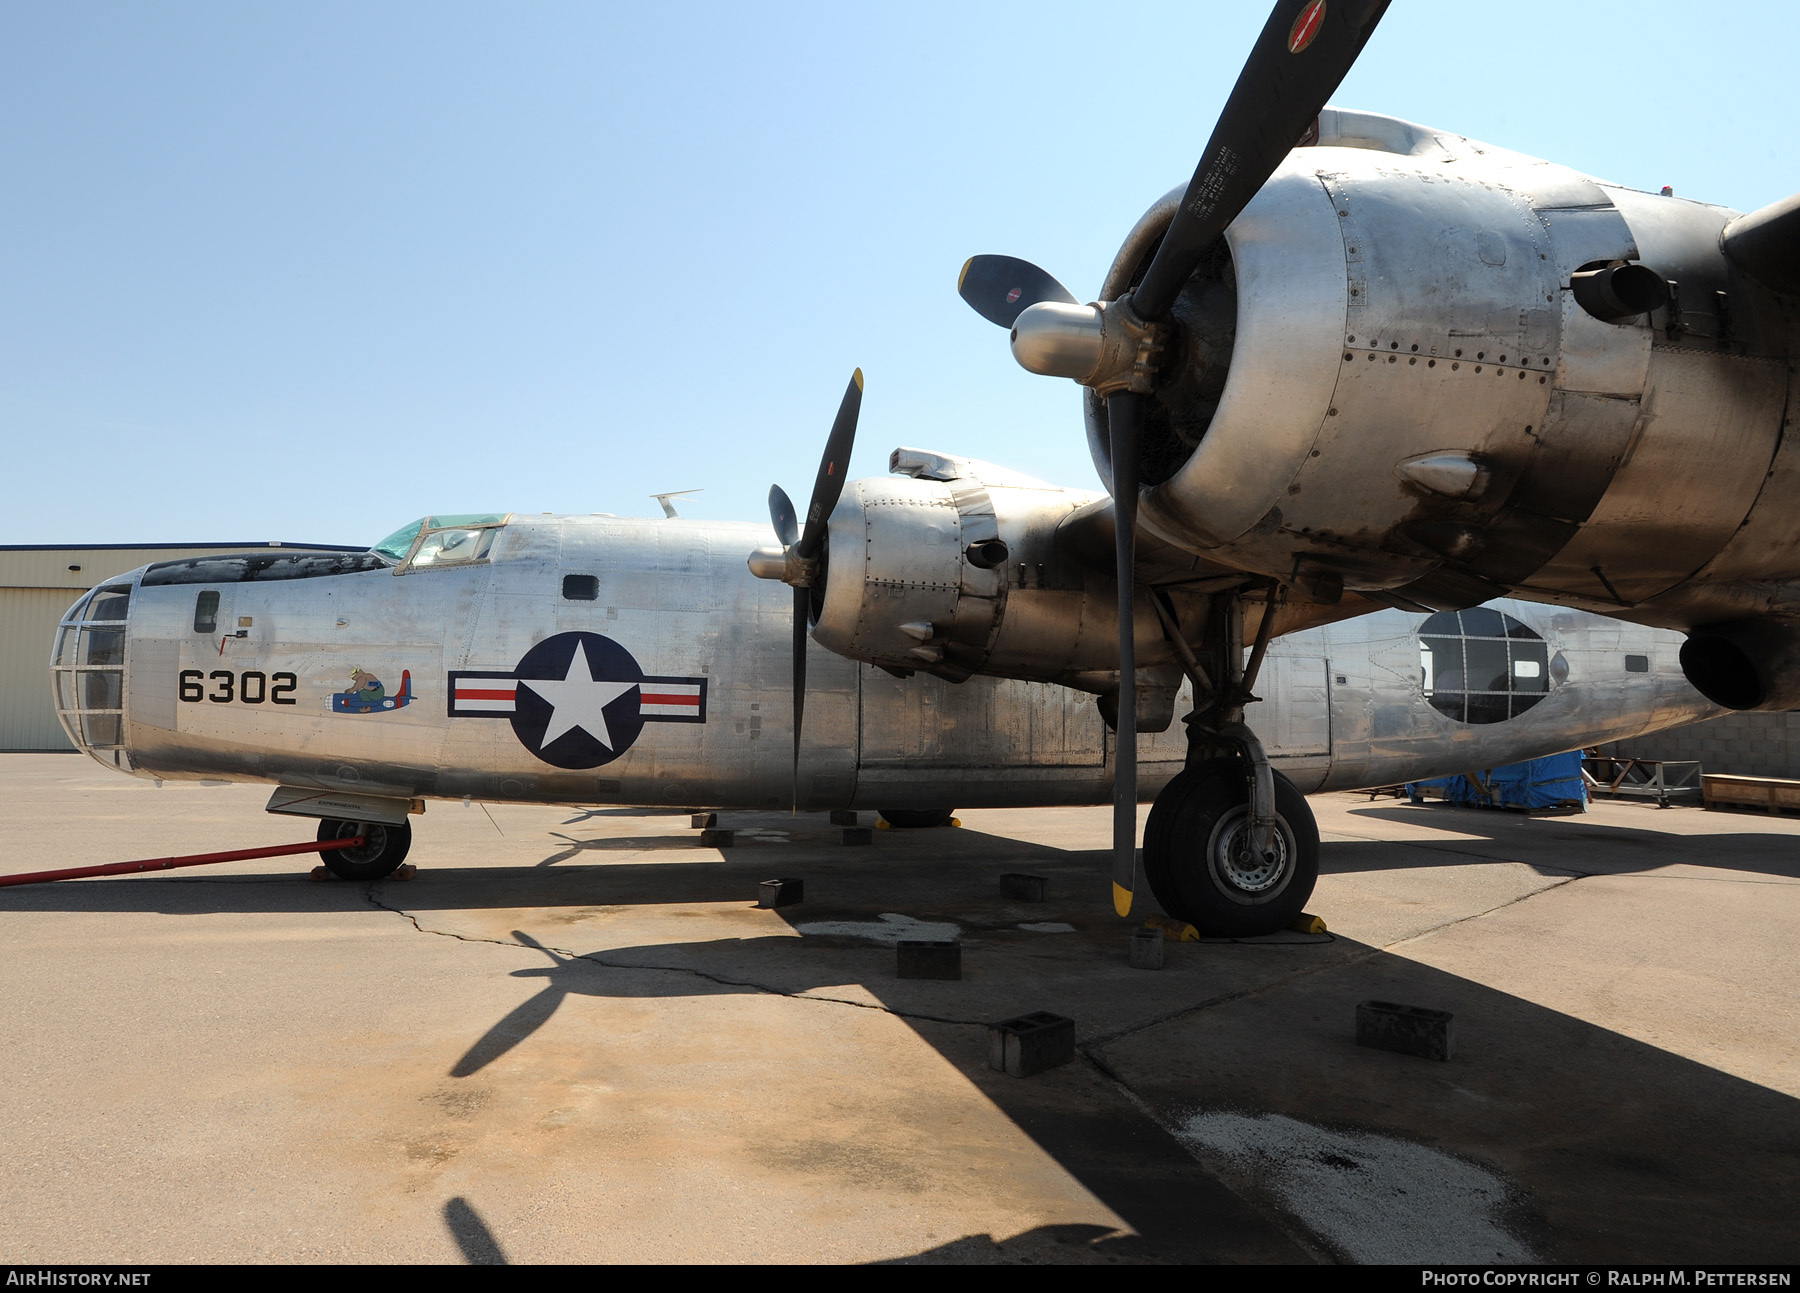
(575, 1038)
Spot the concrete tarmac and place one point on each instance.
(575, 1038)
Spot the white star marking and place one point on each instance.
(578, 700)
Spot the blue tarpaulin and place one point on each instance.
(1535, 783)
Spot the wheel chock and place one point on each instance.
(780, 893)
(1406, 1030)
(1178, 930)
(881, 824)
(405, 871)
(1031, 1043)
(1147, 949)
(1306, 923)
(956, 821)
(1024, 887)
(319, 873)
(928, 958)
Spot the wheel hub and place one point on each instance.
(1237, 864)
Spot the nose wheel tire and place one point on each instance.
(380, 854)
(1200, 863)
(902, 819)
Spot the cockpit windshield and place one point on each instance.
(442, 540)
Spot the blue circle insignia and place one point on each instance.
(578, 700)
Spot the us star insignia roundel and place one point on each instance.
(577, 700)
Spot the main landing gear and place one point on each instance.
(379, 855)
(1231, 846)
(1203, 865)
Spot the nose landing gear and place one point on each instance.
(379, 855)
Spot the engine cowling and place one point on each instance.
(950, 572)
(1400, 373)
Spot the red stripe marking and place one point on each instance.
(1306, 26)
(467, 693)
(661, 698)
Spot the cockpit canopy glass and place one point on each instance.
(442, 540)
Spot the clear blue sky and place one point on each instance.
(307, 271)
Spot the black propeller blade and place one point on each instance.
(828, 485)
(806, 545)
(781, 512)
(1302, 56)
(1001, 288)
(1125, 420)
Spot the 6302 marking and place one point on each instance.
(251, 687)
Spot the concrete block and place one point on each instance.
(1146, 949)
(859, 835)
(1031, 1043)
(928, 958)
(1406, 1030)
(716, 839)
(780, 893)
(839, 817)
(1024, 887)
(703, 821)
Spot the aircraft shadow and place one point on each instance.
(1605, 848)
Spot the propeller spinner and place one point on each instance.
(1304, 52)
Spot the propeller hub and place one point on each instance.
(785, 564)
(1103, 346)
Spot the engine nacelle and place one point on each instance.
(950, 572)
(1747, 664)
(1395, 302)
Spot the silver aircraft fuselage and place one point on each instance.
(595, 659)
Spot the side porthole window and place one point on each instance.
(1637, 664)
(206, 612)
(581, 588)
(1481, 666)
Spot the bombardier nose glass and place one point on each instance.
(88, 674)
(442, 540)
(1482, 666)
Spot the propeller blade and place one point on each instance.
(828, 486)
(781, 512)
(1001, 288)
(1303, 54)
(1125, 418)
(802, 596)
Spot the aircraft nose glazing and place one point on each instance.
(87, 671)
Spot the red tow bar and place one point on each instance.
(169, 864)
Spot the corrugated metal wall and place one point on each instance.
(27, 628)
(36, 586)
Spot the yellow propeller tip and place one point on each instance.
(857, 378)
(1121, 899)
(965, 273)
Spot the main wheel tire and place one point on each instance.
(906, 819)
(380, 854)
(1197, 853)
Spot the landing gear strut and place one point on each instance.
(1231, 846)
